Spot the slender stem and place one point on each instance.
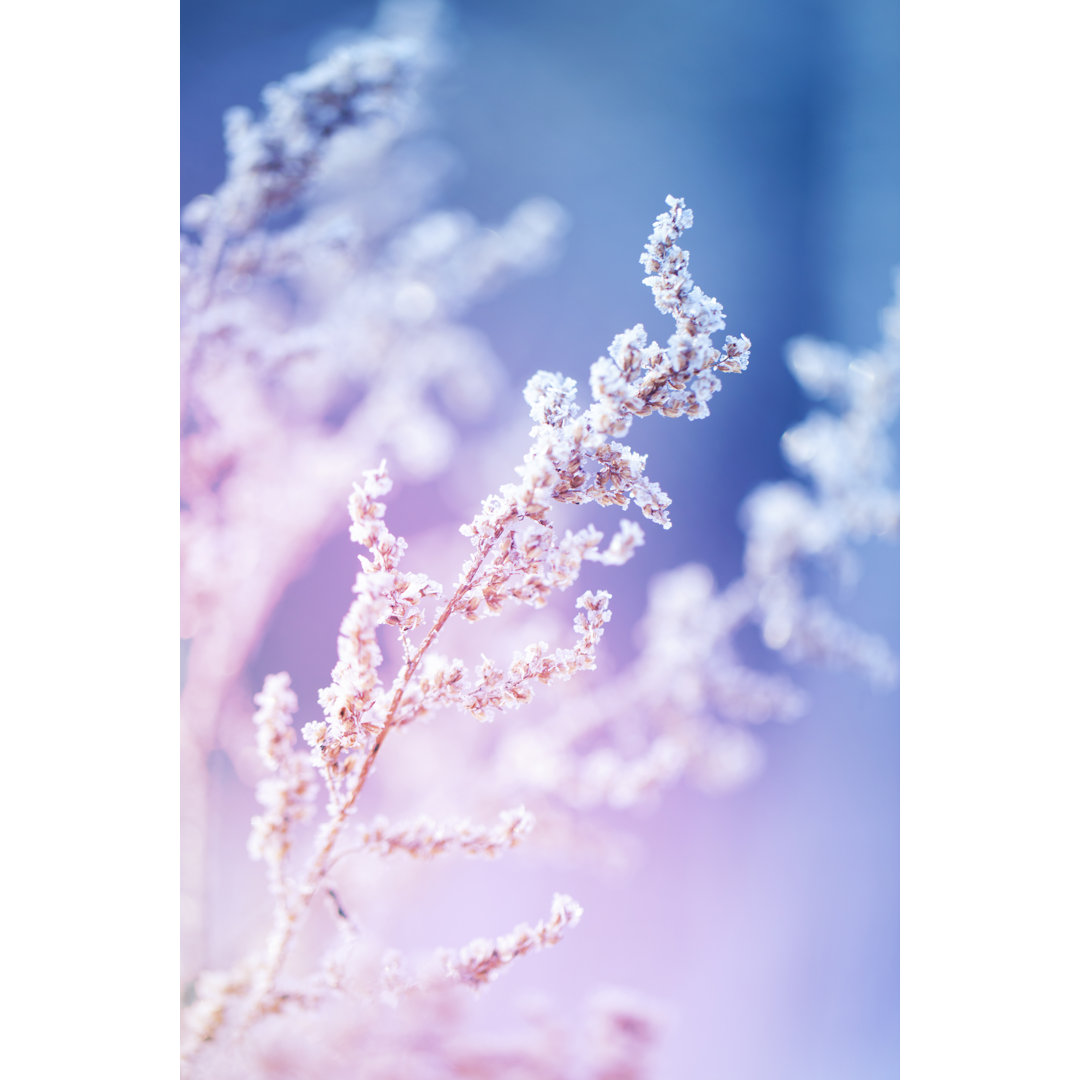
(289, 915)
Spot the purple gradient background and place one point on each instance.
(768, 919)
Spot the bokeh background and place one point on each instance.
(768, 919)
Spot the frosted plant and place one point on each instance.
(319, 327)
(517, 557)
(849, 459)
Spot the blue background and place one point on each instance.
(777, 120)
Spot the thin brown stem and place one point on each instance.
(289, 915)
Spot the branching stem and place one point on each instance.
(291, 911)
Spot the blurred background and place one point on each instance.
(768, 919)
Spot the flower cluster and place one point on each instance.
(287, 796)
(481, 960)
(425, 838)
(637, 377)
(574, 457)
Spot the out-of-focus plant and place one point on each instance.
(320, 309)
